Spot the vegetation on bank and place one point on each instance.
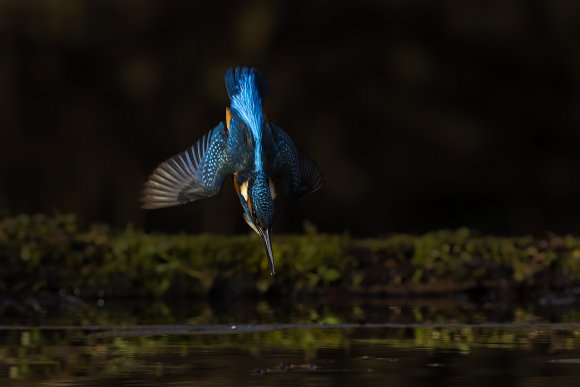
(47, 254)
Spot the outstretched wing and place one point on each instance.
(194, 174)
(300, 175)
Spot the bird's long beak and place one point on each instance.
(266, 236)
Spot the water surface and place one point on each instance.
(394, 343)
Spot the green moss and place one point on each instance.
(50, 253)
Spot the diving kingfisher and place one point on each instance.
(259, 155)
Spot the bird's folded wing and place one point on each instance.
(302, 175)
(194, 174)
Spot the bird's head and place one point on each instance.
(257, 196)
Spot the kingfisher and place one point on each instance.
(257, 153)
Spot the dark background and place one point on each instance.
(422, 116)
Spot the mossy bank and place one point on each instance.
(43, 255)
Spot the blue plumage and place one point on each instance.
(246, 102)
(246, 146)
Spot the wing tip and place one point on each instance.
(161, 189)
(152, 198)
(311, 175)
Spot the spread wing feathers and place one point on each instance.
(236, 75)
(310, 176)
(194, 174)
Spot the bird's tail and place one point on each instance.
(237, 75)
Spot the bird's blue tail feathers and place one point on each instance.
(238, 74)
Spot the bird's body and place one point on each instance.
(246, 146)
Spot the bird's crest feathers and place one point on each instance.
(236, 76)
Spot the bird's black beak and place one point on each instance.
(266, 236)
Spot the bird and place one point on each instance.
(259, 155)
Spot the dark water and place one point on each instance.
(387, 343)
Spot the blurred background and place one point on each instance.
(421, 115)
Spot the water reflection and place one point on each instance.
(258, 344)
(187, 311)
